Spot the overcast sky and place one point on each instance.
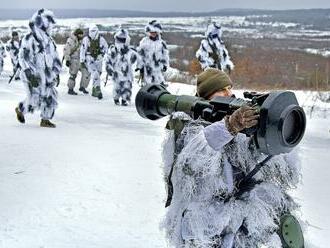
(166, 5)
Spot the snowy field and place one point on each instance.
(96, 180)
(239, 26)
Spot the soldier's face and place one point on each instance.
(16, 38)
(227, 91)
(153, 34)
(80, 36)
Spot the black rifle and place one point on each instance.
(106, 79)
(17, 67)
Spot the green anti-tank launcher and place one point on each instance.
(280, 128)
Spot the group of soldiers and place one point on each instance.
(208, 205)
(36, 61)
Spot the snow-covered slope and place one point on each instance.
(96, 180)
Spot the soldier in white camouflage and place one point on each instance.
(13, 48)
(212, 52)
(40, 68)
(154, 55)
(92, 51)
(120, 59)
(2, 56)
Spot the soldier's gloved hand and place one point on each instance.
(109, 71)
(228, 68)
(164, 68)
(68, 63)
(58, 80)
(242, 118)
(28, 73)
(141, 71)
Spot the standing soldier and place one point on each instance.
(2, 56)
(92, 50)
(71, 56)
(40, 66)
(13, 47)
(212, 52)
(120, 59)
(154, 55)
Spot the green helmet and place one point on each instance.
(78, 31)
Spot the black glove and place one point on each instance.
(33, 80)
(58, 80)
(228, 68)
(68, 63)
(115, 75)
(110, 72)
(141, 71)
(164, 68)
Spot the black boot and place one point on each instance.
(97, 92)
(124, 103)
(116, 101)
(83, 90)
(19, 115)
(72, 92)
(47, 123)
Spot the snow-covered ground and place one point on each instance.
(96, 180)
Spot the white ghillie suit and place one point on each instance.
(92, 51)
(72, 57)
(154, 55)
(203, 211)
(40, 65)
(2, 56)
(120, 59)
(212, 51)
(12, 47)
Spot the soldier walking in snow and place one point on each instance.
(13, 48)
(72, 58)
(154, 55)
(92, 51)
(203, 165)
(120, 59)
(2, 55)
(40, 67)
(212, 52)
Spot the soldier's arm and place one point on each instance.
(68, 49)
(25, 53)
(141, 50)
(217, 135)
(165, 58)
(103, 45)
(110, 57)
(83, 50)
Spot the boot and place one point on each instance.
(72, 92)
(116, 101)
(124, 103)
(97, 92)
(47, 123)
(19, 115)
(83, 90)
